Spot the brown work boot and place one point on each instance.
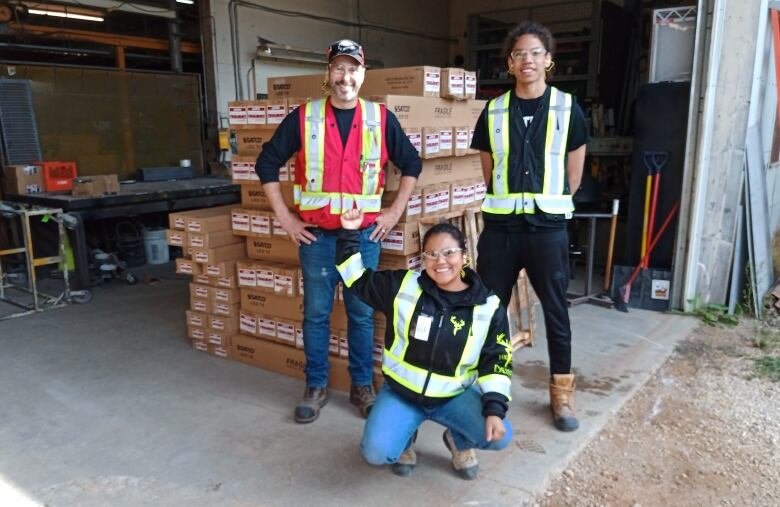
(562, 403)
(406, 463)
(464, 462)
(314, 398)
(363, 397)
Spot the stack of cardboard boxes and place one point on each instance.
(437, 111)
(211, 252)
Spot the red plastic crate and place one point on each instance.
(58, 175)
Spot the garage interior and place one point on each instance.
(112, 399)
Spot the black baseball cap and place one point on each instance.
(346, 47)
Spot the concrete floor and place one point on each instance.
(107, 404)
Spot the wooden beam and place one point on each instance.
(109, 39)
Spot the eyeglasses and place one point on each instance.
(521, 54)
(433, 255)
(345, 69)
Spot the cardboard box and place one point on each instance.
(285, 332)
(177, 221)
(257, 275)
(403, 239)
(418, 112)
(260, 223)
(242, 169)
(222, 323)
(461, 147)
(277, 110)
(333, 342)
(196, 333)
(201, 279)
(228, 282)
(446, 142)
(390, 261)
(284, 359)
(286, 280)
(219, 350)
(431, 142)
(453, 84)
(266, 327)
(264, 303)
(249, 141)
(413, 206)
(175, 237)
(200, 345)
(253, 196)
(220, 254)
(209, 220)
(200, 305)
(294, 103)
(285, 87)
(470, 81)
(237, 112)
(276, 228)
(422, 81)
(414, 135)
(247, 322)
(480, 189)
(187, 267)
(462, 194)
(95, 186)
(221, 269)
(439, 170)
(227, 296)
(212, 240)
(272, 249)
(224, 309)
(343, 344)
(199, 291)
(240, 221)
(219, 338)
(23, 179)
(436, 199)
(196, 319)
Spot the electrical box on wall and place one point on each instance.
(671, 50)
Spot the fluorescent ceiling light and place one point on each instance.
(188, 2)
(69, 15)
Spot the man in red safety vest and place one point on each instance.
(343, 143)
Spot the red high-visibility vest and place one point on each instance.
(332, 178)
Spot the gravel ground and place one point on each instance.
(704, 431)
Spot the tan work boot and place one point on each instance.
(308, 410)
(562, 403)
(363, 397)
(464, 462)
(406, 463)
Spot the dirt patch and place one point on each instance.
(705, 430)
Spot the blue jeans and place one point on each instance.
(320, 277)
(394, 419)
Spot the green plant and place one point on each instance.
(769, 367)
(766, 339)
(713, 314)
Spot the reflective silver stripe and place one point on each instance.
(498, 133)
(371, 146)
(496, 383)
(315, 144)
(413, 378)
(313, 201)
(555, 204)
(351, 269)
(498, 205)
(480, 324)
(403, 309)
(296, 194)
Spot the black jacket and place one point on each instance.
(451, 312)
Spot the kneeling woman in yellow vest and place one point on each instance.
(447, 354)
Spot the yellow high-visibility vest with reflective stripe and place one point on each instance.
(311, 196)
(465, 374)
(552, 199)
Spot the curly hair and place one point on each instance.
(528, 28)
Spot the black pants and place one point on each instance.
(545, 256)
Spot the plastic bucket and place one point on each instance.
(156, 246)
(130, 244)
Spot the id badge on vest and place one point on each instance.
(423, 327)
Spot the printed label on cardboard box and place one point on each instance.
(260, 223)
(266, 326)
(283, 285)
(470, 80)
(176, 238)
(239, 220)
(201, 278)
(416, 139)
(255, 114)
(432, 81)
(432, 143)
(275, 113)
(195, 319)
(414, 206)
(226, 281)
(247, 277)
(237, 115)
(277, 227)
(184, 267)
(247, 323)
(445, 140)
(223, 309)
(201, 345)
(197, 333)
(456, 84)
(479, 191)
(461, 139)
(201, 292)
(285, 331)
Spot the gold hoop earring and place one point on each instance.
(550, 67)
(466, 263)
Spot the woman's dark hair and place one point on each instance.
(528, 28)
(445, 228)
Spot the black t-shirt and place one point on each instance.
(287, 140)
(527, 118)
